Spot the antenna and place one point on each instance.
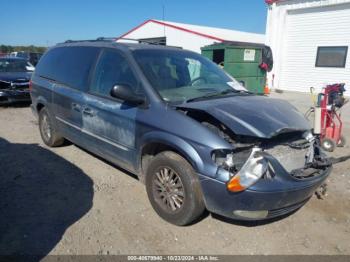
(163, 6)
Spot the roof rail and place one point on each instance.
(114, 39)
(106, 38)
(93, 40)
(137, 40)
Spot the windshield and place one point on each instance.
(15, 65)
(23, 55)
(181, 76)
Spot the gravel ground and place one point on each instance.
(66, 201)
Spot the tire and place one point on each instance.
(341, 142)
(180, 181)
(328, 144)
(48, 129)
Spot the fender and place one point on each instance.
(41, 100)
(186, 149)
(42, 92)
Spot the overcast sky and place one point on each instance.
(44, 22)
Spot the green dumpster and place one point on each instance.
(246, 62)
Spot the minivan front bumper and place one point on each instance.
(268, 198)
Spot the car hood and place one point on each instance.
(256, 116)
(15, 76)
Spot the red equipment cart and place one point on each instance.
(328, 124)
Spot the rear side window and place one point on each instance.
(68, 65)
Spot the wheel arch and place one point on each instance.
(157, 142)
(41, 102)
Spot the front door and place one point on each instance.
(111, 123)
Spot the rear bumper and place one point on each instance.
(277, 196)
(13, 96)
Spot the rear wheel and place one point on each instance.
(342, 141)
(173, 189)
(328, 144)
(48, 131)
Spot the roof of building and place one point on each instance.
(218, 34)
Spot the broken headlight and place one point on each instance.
(224, 159)
(253, 169)
(245, 168)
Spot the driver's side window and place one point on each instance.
(112, 68)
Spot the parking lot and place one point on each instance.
(67, 201)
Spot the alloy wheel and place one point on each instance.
(168, 189)
(45, 127)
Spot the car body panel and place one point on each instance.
(278, 199)
(13, 76)
(256, 116)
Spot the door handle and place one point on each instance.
(88, 111)
(76, 107)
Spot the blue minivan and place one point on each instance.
(190, 132)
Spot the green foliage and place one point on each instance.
(31, 48)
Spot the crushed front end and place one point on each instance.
(266, 178)
(14, 91)
(272, 163)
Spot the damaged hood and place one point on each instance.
(256, 116)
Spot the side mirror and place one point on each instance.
(125, 93)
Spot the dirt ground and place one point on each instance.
(66, 201)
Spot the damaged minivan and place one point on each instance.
(190, 132)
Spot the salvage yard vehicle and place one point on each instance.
(188, 130)
(15, 75)
(32, 57)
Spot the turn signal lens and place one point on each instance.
(252, 170)
(234, 185)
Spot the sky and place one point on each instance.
(45, 22)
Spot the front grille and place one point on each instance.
(16, 84)
(289, 157)
(20, 87)
(4, 85)
(20, 81)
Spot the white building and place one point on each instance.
(310, 41)
(191, 37)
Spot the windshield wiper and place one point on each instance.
(227, 91)
(212, 95)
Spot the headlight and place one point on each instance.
(252, 170)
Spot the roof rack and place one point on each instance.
(113, 39)
(137, 40)
(93, 40)
(106, 38)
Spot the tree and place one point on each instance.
(31, 48)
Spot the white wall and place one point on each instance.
(173, 36)
(191, 41)
(294, 31)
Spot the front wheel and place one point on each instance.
(173, 189)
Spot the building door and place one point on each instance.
(315, 47)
